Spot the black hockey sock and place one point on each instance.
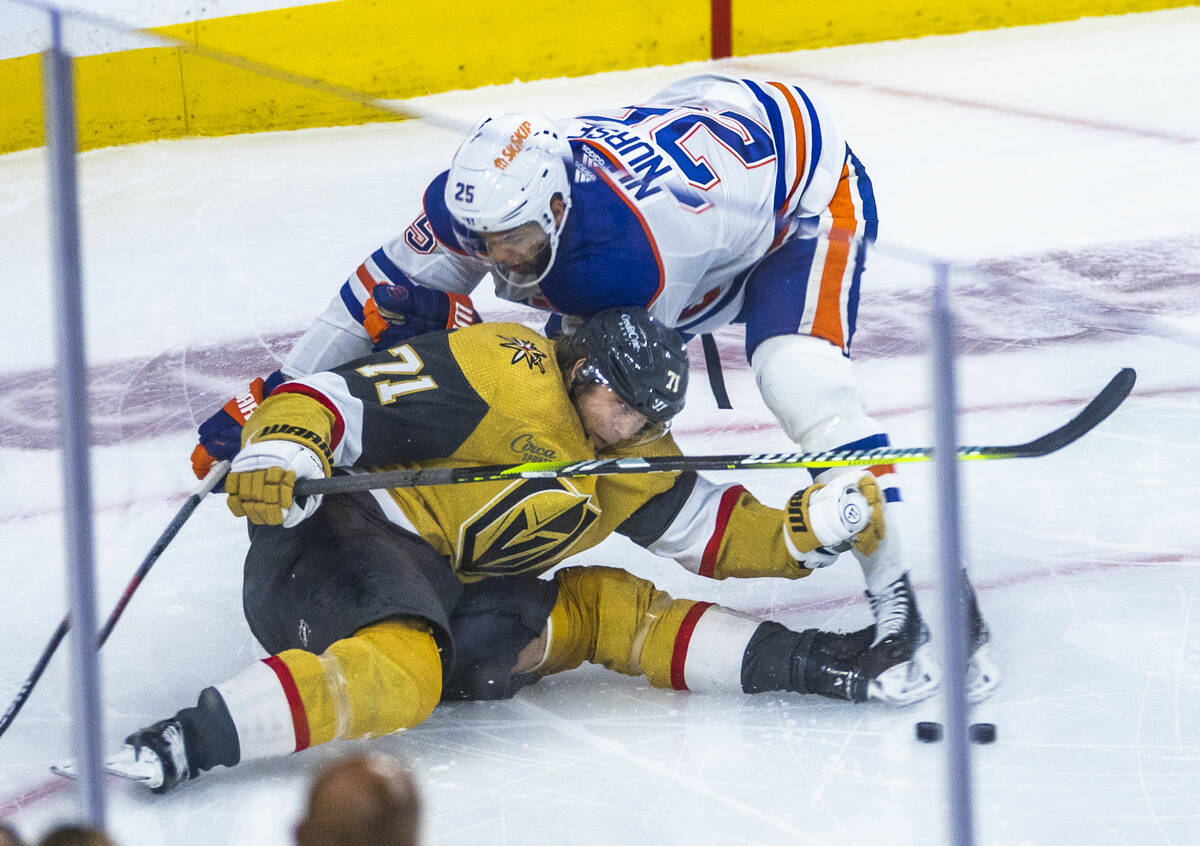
(811, 661)
(209, 734)
(772, 657)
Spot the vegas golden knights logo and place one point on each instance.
(531, 524)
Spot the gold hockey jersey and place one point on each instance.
(493, 394)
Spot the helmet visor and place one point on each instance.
(520, 256)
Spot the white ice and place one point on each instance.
(1060, 163)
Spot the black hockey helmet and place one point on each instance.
(643, 360)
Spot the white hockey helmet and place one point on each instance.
(504, 176)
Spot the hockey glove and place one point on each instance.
(261, 479)
(406, 311)
(221, 434)
(824, 520)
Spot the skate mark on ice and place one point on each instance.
(1047, 571)
(698, 786)
(975, 105)
(1004, 304)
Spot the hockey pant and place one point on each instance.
(610, 617)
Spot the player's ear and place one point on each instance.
(558, 208)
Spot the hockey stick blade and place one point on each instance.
(1104, 404)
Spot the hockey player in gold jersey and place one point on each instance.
(376, 606)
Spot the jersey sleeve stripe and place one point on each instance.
(364, 276)
(775, 120)
(866, 193)
(814, 123)
(708, 563)
(338, 429)
(353, 306)
(801, 147)
(371, 319)
(388, 268)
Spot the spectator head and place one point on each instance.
(9, 836)
(361, 800)
(75, 835)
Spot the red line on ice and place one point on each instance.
(47, 788)
(1049, 571)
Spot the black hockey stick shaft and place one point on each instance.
(1097, 410)
(181, 516)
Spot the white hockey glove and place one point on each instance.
(824, 520)
(261, 478)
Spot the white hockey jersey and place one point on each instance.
(673, 202)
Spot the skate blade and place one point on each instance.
(66, 769)
(124, 764)
(983, 676)
(910, 682)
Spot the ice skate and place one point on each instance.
(156, 756)
(899, 663)
(983, 675)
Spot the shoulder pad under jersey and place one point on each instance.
(607, 256)
(439, 216)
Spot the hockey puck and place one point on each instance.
(982, 732)
(929, 732)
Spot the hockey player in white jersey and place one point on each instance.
(721, 200)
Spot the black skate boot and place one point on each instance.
(898, 662)
(164, 755)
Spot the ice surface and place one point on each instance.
(1059, 163)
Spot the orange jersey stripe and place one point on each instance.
(373, 321)
(827, 321)
(801, 147)
(365, 277)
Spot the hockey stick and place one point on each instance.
(181, 516)
(1100, 407)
